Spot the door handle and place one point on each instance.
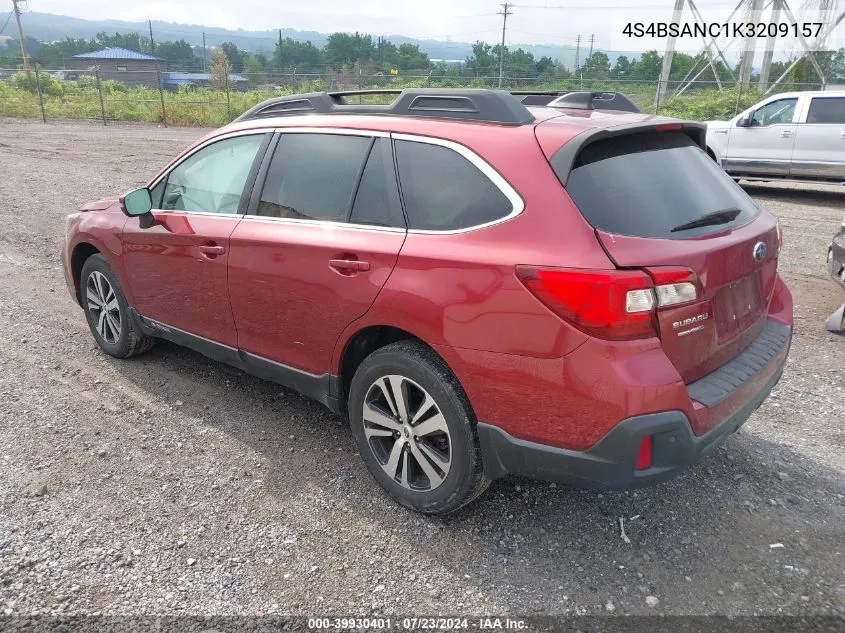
(348, 266)
(211, 250)
(842, 135)
(786, 133)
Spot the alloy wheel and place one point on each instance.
(103, 306)
(407, 433)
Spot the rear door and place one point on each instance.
(819, 150)
(765, 147)
(319, 241)
(648, 195)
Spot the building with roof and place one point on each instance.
(122, 64)
(172, 81)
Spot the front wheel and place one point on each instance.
(107, 311)
(415, 429)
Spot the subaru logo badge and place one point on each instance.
(759, 251)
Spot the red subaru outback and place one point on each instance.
(563, 292)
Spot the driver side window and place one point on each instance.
(774, 113)
(211, 180)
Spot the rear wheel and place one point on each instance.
(107, 312)
(415, 430)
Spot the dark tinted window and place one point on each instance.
(826, 110)
(313, 176)
(442, 190)
(377, 200)
(647, 184)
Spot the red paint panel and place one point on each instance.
(173, 281)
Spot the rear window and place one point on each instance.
(648, 184)
(826, 110)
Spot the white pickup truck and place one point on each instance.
(790, 136)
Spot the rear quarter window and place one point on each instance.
(647, 184)
(443, 191)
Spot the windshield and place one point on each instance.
(649, 183)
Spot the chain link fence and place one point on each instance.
(208, 99)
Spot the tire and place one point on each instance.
(435, 459)
(113, 328)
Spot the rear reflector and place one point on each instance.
(644, 456)
(608, 304)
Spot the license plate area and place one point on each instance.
(737, 306)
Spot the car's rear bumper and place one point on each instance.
(610, 463)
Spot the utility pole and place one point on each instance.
(280, 51)
(668, 55)
(770, 48)
(746, 63)
(20, 33)
(152, 41)
(592, 41)
(577, 51)
(504, 13)
(203, 51)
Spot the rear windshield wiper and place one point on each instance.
(722, 216)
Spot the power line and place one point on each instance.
(6, 23)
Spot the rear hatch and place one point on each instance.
(658, 203)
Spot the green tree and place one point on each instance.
(542, 65)
(622, 68)
(410, 57)
(290, 53)
(520, 64)
(132, 41)
(58, 54)
(647, 67)
(254, 68)
(596, 66)
(347, 49)
(218, 77)
(483, 62)
(234, 55)
(179, 55)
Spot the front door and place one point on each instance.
(317, 246)
(764, 147)
(176, 269)
(819, 150)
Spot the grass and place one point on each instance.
(209, 108)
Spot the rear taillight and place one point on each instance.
(610, 304)
(673, 285)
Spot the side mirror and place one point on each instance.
(137, 202)
(745, 121)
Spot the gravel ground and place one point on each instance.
(172, 484)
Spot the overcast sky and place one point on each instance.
(533, 21)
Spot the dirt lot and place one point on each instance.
(174, 484)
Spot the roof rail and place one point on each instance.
(594, 101)
(462, 104)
